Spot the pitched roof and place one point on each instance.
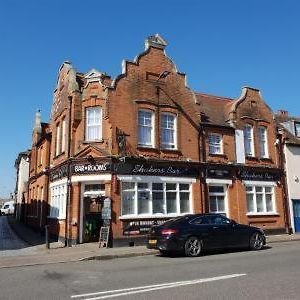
(214, 109)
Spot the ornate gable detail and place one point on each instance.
(91, 150)
(155, 41)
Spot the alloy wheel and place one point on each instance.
(256, 241)
(192, 247)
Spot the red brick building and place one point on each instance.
(150, 148)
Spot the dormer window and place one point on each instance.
(215, 143)
(248, 140)
(297, 129)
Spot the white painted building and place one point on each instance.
(290, 129)
(22, 167)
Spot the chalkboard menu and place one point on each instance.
(104, 236)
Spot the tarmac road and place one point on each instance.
(273, 273)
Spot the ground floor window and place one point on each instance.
(217, 198)
(260, 199)
(155, 198)
(58, 196)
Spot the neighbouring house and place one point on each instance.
(289, 128)
(22, 170)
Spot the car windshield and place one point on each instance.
(176, 220)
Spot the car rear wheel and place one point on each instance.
(192, 247)
(256, 241)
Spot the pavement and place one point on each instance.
(25, 247)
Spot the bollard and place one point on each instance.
(47, 236)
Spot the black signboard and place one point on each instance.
(137, 227)
(218, 173)
(90, 167)
(257, 175)
(156, 169)
(59, 173)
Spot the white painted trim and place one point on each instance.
(218, 181)
(260, 183)
(59, 182)
(263, 214)
(102, 177)
(156, 178)
(146, 217)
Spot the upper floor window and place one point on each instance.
(248, 140)
(215, 143)
(63, 136)
(57, 149)
(93, 125)
(263, 145)
(41, 156)
(168, 131)
(145, 128)
(297, 129)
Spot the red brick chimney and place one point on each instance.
(283, 112)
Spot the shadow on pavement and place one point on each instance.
(210, 252)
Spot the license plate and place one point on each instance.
(152, 242)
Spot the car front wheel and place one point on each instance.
(256, 241)
(192, 247)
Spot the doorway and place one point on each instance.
(91, 208)
(296, 209)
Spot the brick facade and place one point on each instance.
(152, 83)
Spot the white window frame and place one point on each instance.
(168, 146)
(263, 141)
(254, 193)
(58, 198)
(297, 129)
(152, 143)
(224, 194)
(135, 215)
(212, 143)
(57, 145)
(249, 140)
(63, 135)
(97, 123)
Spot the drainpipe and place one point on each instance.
(69, 184)
(202, 158)
(285, 194)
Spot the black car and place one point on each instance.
(193, 234)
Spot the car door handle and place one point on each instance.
(215, 227)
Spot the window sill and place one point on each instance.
(171, 150)
(59, 155)
(156, 216)
(141, 147)
(252, 157)
(275, 214)
(56, 218)
(93, 142)
(266, 159)
(221, 155)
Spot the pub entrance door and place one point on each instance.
(92, 204)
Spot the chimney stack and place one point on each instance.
(38, 122)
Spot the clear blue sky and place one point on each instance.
(221, 45)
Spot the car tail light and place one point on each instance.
(169, 231)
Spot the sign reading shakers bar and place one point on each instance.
(90, 168)
(155, 169)
(256, 175)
